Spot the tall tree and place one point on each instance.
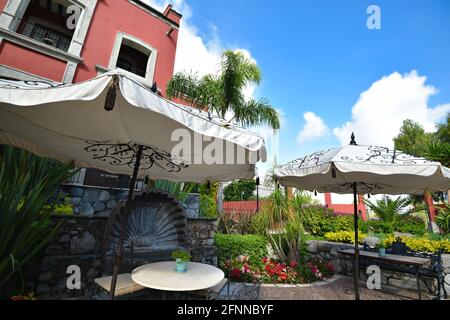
(239, 190)
(434, 146)
(412, 138)
(443, 132)
(224, 92)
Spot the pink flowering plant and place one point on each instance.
(244, 269)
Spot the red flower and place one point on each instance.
(293, 264)
(235, 273)
(264, 260)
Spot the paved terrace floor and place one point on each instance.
(339, 289)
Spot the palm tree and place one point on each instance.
(223, 92)
(387, 209)
(438, 150)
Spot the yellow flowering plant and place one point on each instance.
(344, 236)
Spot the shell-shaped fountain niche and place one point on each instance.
(156, 227)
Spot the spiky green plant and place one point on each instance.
(27, 183)
(388, 209)
(274, 214)
(179, 190)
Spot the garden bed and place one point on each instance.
(244, 258)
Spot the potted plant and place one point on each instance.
(381, 246)
(182, 257)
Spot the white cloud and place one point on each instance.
(314, 128)
(379, 113)
(194, 53)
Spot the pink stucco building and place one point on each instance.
(74, 40)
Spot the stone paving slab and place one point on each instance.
(340, 289)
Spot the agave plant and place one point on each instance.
(179, 190)
(27, 183)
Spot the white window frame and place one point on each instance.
(10, 19)
(138, 44)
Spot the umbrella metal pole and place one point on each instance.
(356, 261)
(257, 194)
(119, 255)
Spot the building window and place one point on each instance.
(133, 55)
(50, 37)
(45, 21)
(132, 60)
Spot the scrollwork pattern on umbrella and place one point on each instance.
(384, 155)
(361, 187)
(29, 84)
(125, 155)
(311, 160)
(372, 155)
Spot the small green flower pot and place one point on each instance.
(382, 252)
(180, 266)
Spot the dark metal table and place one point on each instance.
(415, 262)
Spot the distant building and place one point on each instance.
(340, 204)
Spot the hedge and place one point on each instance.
(234, 245)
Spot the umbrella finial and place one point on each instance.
(352, 141)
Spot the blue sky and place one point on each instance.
(319, 57)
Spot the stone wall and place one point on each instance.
(92, 201)
(78, 241)
(201, 233)
(330, 251)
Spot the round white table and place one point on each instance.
(162, 276)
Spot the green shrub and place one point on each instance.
(208, 206)
(406, 224)
(234, 245)
(410, 224)
(318, 220)
(377, 226)
(65, 208)
(343, 223)
(443, 219)
(208, 196)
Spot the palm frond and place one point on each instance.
(388, 209)
(200, 93)
(223, 92)
(256, 112)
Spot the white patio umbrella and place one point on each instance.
(118, 124)
(365, 170)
